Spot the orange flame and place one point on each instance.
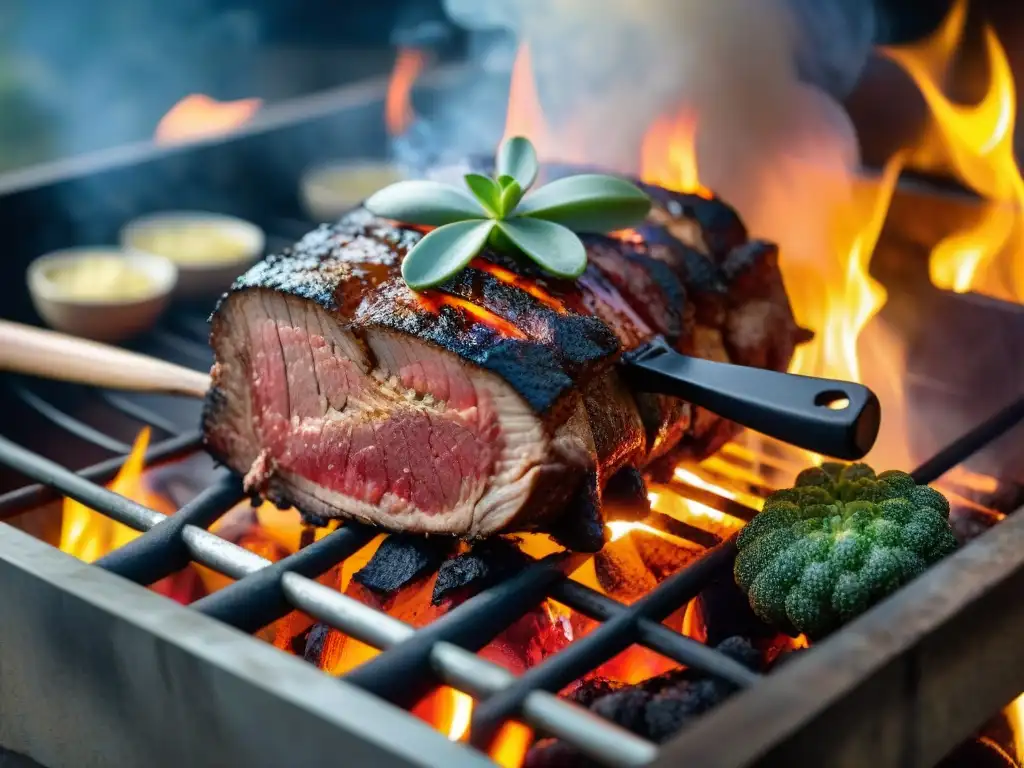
(525, 115)
(976, 143)
(198, 117)
(87, 534)
(668, 155)
(398, 112)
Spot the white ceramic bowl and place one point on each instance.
(201, 274)
(103, 317)
(329, 190)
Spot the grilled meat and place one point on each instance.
(492, 403)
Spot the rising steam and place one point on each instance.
(768, 142)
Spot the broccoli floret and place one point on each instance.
(836, 543)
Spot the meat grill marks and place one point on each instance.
(491, 403)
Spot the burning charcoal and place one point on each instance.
(621, 572)
(315, 639)
(655, 709)
(726, 612)
(627, 708)
(485, 564)
(740, 649)
(581, 528)
(400, 560)
(589, 691)
(673, 708)
(663, 557)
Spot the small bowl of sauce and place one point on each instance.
(101, 293)
(331, 190)
(210, 250)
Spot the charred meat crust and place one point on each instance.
(689, 273)
(352, 268)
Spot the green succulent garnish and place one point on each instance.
(541, 226)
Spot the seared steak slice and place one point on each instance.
(486, 405)
(338, 389)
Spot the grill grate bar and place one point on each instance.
(31, 496)
(341, 611)
(160, 551)
(94, 496)
(69, 423)
(139, 412)
(464, 670)
(654, 635)
(402, 675)
(604, 642)
(445, 647)
(971, 442)
(257, 600)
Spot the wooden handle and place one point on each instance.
(50, 355)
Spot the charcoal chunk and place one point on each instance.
(581, 527)
(627, 708)
(740, 649)
(487, 563)
(400, 560)
(726, 612)
(315, 637)
(674, 707)
(655, 709)
(589, 691)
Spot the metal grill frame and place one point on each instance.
(92, 639)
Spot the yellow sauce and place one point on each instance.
(359, 182)
(100, 278)
(192, 242)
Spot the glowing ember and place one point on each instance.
(398, 112)
(668, 156)
(198, 117)
(975, 142)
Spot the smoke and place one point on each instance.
(103, 72)
(761, 75)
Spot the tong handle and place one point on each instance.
(839, 419)
(51, 355)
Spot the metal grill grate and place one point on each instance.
(412, 660)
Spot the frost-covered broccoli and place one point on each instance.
(839, 541)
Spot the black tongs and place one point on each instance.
(839, 419)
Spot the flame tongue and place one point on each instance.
(199, 117)
(398, 111)
(975, 142)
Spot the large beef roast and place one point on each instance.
(492, 403)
